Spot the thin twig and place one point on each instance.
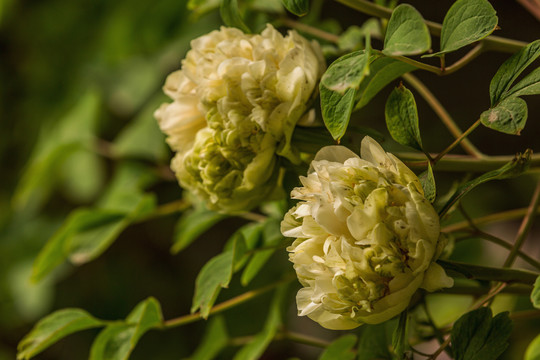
(441, 112)
(186, 319)
(463, 163)
(321, 34)
(456, 142)
(526, 225)
(504, 215)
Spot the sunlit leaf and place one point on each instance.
(406, 32)
(466, 22)
(53, 328)
(336, 110)
(508, 116)
(382, 71)
(533, 350)
(402, 118)
(510, 70)
(347, 72)
(535, 294)
(529, 85)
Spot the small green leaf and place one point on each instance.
(382, 71)
(400, 341)
(53, 328)
(69, 135)
(508, 116)
(251, 234)
(510, 70)
(214, 275)
(535, 294)
(347, 72)
(215, 339)
(83, 175)
(374, 342)
(258, 345)
(231, 15)
(529, 85)
(340, 349)
(297, 7)
(272, 236)
(466, 22)
(193, 224)
(402, 118)
(406, 33)
(478, 336)
(117, 341)
(336, 110)
(509, 170)
(533, 350)
(142, 138)
(428, 184)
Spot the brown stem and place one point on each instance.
(526, 225)
(441, 112)
(457, 141)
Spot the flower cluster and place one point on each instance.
(236, 102)
(366, 238)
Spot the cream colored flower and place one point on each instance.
(366, 238)
(236, 102)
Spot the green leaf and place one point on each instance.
(193, 224)
(215, 339)
(340, 349)
(251, 234)
(87, 233)
(508, 116)
(83, 175)
(510, 70)
(529, 85)
(272, 236)
(142, 138)
(406, 33)
(400, 341)
(336, 110)
(428, 184)
(466, 22)
(478, 336)
(53, 328)
(402, 118)
(382, 71)
(509, 170)
(231, 15)
(533, 350)
(117, 341)
(258, 345)
(348, 71)
(374, 342)
(69, 134)
(535, 294)
(214, 275)
(297, 7)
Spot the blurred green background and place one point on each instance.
(79, 82)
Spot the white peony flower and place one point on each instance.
(366, 238)
(236, 102)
